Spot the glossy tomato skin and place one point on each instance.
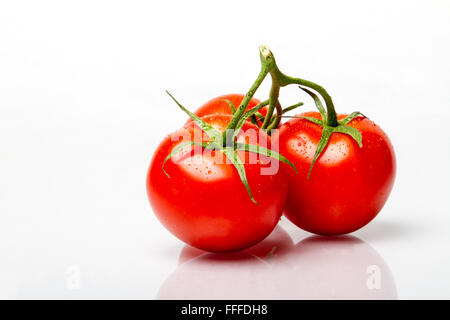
(204, 202)
(348, 185)
(218, 105)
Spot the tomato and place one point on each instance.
(218, 105)
(204, 202)
(348, 185)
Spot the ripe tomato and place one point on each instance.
(218, 105)
(348, 185)
(204, 202)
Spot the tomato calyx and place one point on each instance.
(227, 142)
(328, 130)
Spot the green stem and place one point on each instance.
(331, 120)
(267, 64)
(262, 104)
(257, 116)
(280, 79)
(275, 122)
(273, 101)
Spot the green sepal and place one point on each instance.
(247, 115)
(328, 130)
(287, 109)
(259, 116)
(206, 127)
(265, 152)
(352, 132)
(244, 118)
(232, 155)
(176, 150)
(232, 107)
(254, 118)
(326, 134)
(310, 119)
(317, 101)
(350, 117)
(294, 106)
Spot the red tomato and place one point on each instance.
(218, 105)
(348, 185)
(204, 202)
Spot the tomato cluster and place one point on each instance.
(329, 174)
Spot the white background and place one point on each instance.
(82, 108)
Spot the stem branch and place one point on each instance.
(267, 64)
(280, 79)
(273, 101)
(331, 112)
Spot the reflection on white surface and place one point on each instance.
(315, 268)
(334, 268)
(276, 243)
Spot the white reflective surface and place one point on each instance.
(83, 107)
(314, 268)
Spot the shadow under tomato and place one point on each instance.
(387, 230)
(276, 243)
(315, 268)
